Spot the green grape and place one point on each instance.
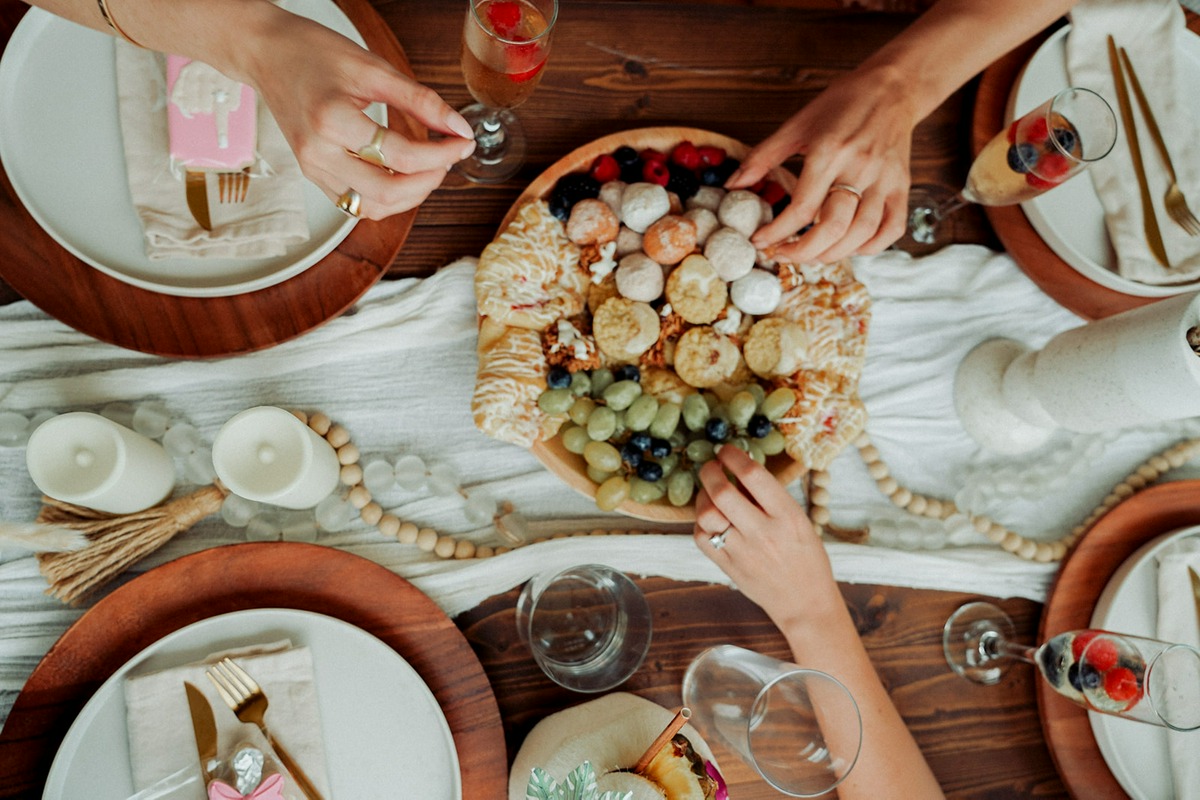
(699, 450)
(641, 413)
(598, 476)
(581, 409)
(602, 455)
(581, 384)
(666, 420)
(556, 401)
(680, 488)
(669, 463)
(719, 411)
(621, 427)
(575, 438)
(758, 391)
(601, 380)
(602, 424)
(612, 493)
(620, 395)
(695, 412)
(756, 453)
(741, 443)
(778, 403)
(773, 443)
(644, 491)
(741, 408)
(677, 439)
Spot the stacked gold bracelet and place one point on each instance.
(112, 23)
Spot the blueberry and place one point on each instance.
(560, 207)
(650, 471)
(558, 378)
(1090, 677)
(1022, 157)
(631, 454)
(716, 430)
(1066, 138)
(727, 167)
(632, 173)
(627, 372)
(659, 448)
(1073, 677)
(626, 155)
(710, 176)
(641, 441)
(758, 426)
(1050, 658)
(681, 181)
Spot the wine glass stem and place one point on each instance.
(489, 133)
(948, 207)
(996, 646)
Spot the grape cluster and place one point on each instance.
(641, 448)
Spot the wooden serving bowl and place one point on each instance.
(567, 465)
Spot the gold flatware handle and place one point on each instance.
(1149, 220)
(305, 784)
(196, 192)
(1151, 123)
(1195, 590)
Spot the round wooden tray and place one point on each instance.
(244, 576)
(188, 327)
(563, 463)
(1115, 537)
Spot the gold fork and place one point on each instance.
(249, 704)
(1176, 203)
(233, 186)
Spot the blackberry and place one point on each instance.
(558, 378)
(627, 372)
(682, 181)
(1022, 157)
(570, 189)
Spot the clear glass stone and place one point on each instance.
(517, 526)
(150, 419)
(480, 507)
(299, 527)
(120, 413)
(181, 440)
(410, 473)
(379, 477)
(198, 467)
(14, 429)
(333, 513)
(263, 528)
(237, 511)
(443, 480)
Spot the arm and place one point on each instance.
(774, 557)
(316, 83)
(858, 132)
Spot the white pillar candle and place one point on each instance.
(268, 455)
(91, 461)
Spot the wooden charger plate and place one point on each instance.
(563, 463)
(245, 576)
(72, 291)
(1114, 538)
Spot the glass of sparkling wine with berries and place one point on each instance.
(504, 50)
(1113, 673)
(1034, 154)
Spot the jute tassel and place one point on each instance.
(116, 542)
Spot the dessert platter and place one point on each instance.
(75, 243)
(628, 326)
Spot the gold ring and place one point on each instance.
(844, 187)
(373, 152)
(349, 202)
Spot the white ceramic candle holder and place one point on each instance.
(91, 461)
(268, 455)
(1130, 369)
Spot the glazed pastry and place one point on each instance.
(730, 252)
(757, 292)
(640, 278)
(741, 210)
(705, 358)
(211, 119)
(827, 416)
(643, 204)
(624, 329)
(696, 291)
(669, 239)
(510, 377)
(592, 222)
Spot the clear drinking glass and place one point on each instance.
(1113, 673)
(1034, 154)
(799, 728)
(588, 627)
(504, 50)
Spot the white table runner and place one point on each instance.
(399, 373)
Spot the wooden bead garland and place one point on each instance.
(1033, 550)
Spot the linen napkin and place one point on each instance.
(1178, 622)
(160, 727)
(1150, 31)
(271, 218)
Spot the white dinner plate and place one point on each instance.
(1134, 751)
(1070, 219)
(60, 142)
(385, 735)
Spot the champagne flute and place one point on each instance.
(504, 50)
(1113, 673)
(1037, 152)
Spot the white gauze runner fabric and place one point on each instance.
(399, 372)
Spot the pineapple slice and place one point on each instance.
(680, 771)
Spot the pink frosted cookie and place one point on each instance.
(211, 119)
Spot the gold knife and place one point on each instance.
(196, 188)
(1195, 590)
(203, 727)
(1151, 122)
(1149, 221)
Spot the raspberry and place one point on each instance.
(772, 192)
(1012, 132)
(711, 156)
(650, 154)
(1102, 654)
(605, 168)
(1121, 685)
(1038, 131)
(1052, 169)
(1080, 643)
(686, 155)
(521, 77)
(504, 16)
(655, 172)
(523, 62)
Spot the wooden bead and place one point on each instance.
(485, 551)
(337, 436)
(427, 539)
(820, 515)
(934, 508)
(1058, 550)
(878, 470)
(862, 440)
(351, 475)
(1136, 481)
(1012, 542)
(917, 504)
(1159, 463)
(371, 513)
(1148, 472)
(445, 546)
(502, 549)
(348, 454)
(901, 497)
(820, 478)
(869, 454)
(1028, 549)
(981, 524)
(320, 423)
(1078, 530)
(1111, 500)
(820, 497)
(1175, 458)
(1123, 490)
(389, 525)
(407, 533)
(300, 415)
(887, 485)
(359, 497)
(997, 532)
(464, 549)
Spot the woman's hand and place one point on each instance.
(771, 552)
(856, 134)
(317, 84)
